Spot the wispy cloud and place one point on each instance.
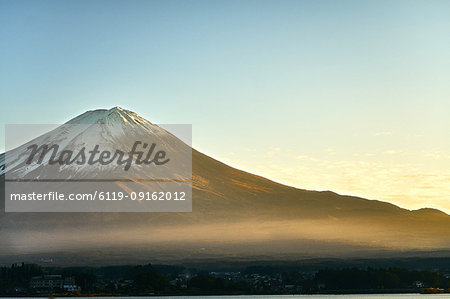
(392, 152)
(382, 134)
(272, 152)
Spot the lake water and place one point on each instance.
(368, 296)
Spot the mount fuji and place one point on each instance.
(235, 214)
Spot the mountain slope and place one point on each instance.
(234, 214)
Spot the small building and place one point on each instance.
(418, 284)
(53, 282)
(70, 286)
(47, 282)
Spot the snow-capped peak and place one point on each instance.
(111, 129)
(101, 116)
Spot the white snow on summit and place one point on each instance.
(112, 129)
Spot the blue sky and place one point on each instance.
(351, 96)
